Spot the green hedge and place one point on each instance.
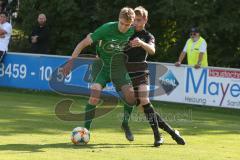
(169, 21)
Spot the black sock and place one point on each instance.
(152, 119)
(164, 125)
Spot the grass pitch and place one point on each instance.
(29, 129)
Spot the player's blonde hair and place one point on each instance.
(127, 13)
(141, 11)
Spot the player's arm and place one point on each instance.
(148, 47)
(91, 38)
(97, 35)
(81, 45)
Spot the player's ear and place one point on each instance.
(146, 20)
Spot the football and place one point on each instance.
(80, 136)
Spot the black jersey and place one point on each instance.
(138, 54)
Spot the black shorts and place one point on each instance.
(2, 53)
(138, 73)
(139, 78)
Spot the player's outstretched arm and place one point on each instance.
(148, 47)
(81, 45)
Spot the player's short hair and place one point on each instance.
(127, 13)
(141, 11)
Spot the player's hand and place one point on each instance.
(197, 66)
(136, 42)
(68, 67)
(178, 64)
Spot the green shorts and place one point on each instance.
(104, 74)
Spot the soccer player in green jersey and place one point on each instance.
(111, 38)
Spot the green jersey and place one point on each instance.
(110, 41)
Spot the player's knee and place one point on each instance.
(93, 101)
(95, 94)
(96, 87)
(130, 99)
(129, 95)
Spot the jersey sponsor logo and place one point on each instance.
(114, 46)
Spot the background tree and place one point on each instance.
(169, 21)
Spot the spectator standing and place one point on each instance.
(195, 49)
(5, 34)
(40, 36)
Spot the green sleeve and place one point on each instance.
(99, 33)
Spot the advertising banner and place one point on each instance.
(210, 86)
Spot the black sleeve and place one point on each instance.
(151, 38)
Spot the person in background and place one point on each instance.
(40, 36)
(5, 34)
(195, 49)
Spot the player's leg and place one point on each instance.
(127, 111)
(122, 82)
(128, 94)
(99, 82)
(121, 79)
(136, 79)
(125, 126)
(166, 127)
(92, 103)
(144, 100)
(149, 113)
(129, 103)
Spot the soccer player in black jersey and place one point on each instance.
(142, 44)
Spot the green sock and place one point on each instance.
(89, 115)
(127, 113)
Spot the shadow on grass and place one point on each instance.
(90, 147)
(26, 113)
